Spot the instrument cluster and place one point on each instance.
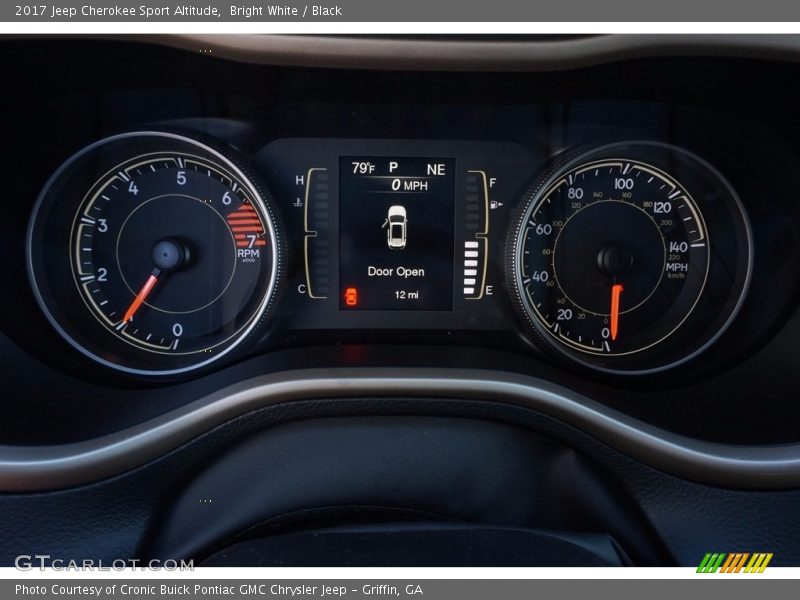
(161, 251)
(168, 234)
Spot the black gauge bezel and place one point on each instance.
(50, 274)
(725, 219)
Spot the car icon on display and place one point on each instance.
(396, 233)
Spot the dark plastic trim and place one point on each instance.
(57, 467)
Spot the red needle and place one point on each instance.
(141, 296)
(616, 290)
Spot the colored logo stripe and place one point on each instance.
(758, 563)
(734, 562)
(710, 563)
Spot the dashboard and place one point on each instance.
(213, 238)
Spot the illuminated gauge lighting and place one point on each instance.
(173, 253)
(612, 255)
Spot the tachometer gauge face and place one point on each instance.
(612, 255)
(172, 253)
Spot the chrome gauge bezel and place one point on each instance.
(544, 196)
(648, 153)
(183, 145)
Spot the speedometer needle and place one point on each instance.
(616, 291)
(142, 295)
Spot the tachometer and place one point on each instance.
(154, 253)
(613, 254)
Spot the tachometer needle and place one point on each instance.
(616, 291)
(142, 295)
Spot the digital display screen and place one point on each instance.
(396, 233)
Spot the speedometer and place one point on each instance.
(612, 255)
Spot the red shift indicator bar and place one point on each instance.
(246, 227)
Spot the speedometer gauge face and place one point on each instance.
(613, 254)
(171, 251)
